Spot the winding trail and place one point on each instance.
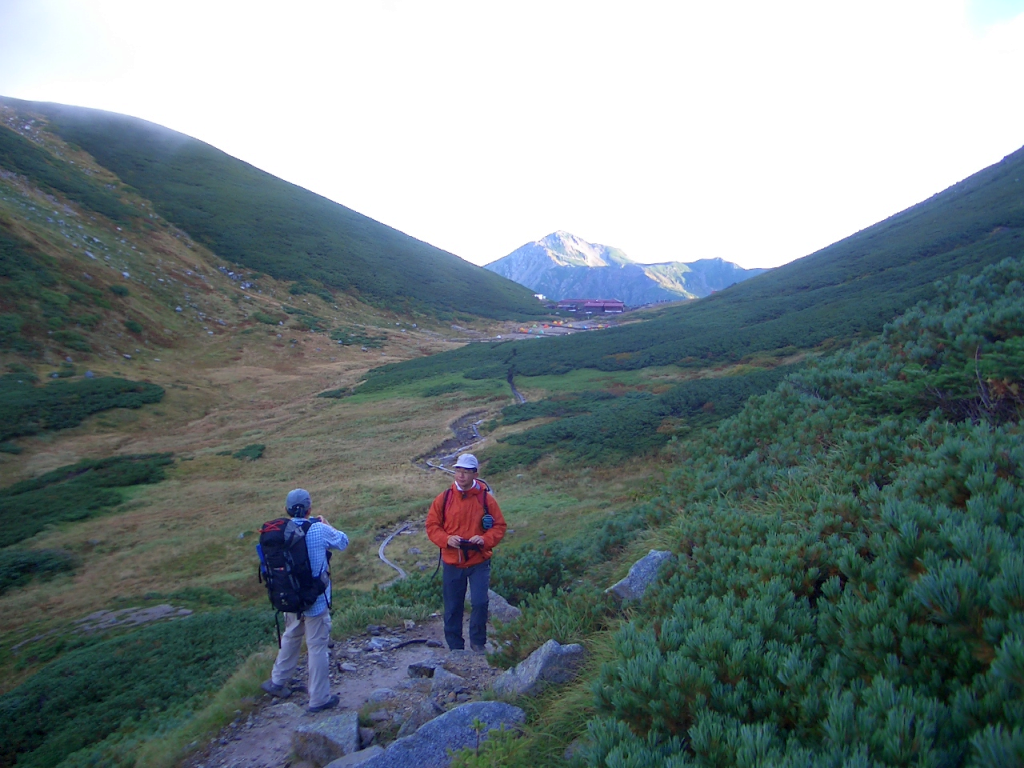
(380, 553)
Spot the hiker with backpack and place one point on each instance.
(294, 556)
(465, 521)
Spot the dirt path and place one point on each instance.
(370, 673)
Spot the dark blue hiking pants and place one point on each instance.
(455, 579)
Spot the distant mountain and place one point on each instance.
(247, 216)
(849, 289)
(563, 266)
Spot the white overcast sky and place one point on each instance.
(754, 131)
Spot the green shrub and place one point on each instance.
(525, 571)
(18, 566)
(568, 616)
(133, 325)
(73, 492)
(124, 685)
(251, 452)
(119, 290)
(10, 448)
(847, 580)
(72, 340)
(441, 389)
(263, 317)
(26, 410)
(357, 337)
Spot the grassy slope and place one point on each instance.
(254, 219)
(852, 287)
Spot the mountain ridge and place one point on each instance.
(254, 219)
(562, 266)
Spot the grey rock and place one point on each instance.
(434, 643)
(357, 758)
(498, 608)
(381, 694)
(285, 709)
(431, 745)
(422, 669)
(552, 663)
(328, 739)
(348, 666)
(641, 575)
(366, 737)
(427, 711)
(444, 681)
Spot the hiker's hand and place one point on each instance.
(320, 519)
(454, 542)
(478, 540)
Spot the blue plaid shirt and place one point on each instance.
(319, 538)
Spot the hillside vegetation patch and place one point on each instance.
(74, 492)
(27, 409)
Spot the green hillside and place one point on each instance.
(846, 290)
(261, 222)
(846, 586)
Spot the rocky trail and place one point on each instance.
(397, 678)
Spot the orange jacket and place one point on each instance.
(464, 517)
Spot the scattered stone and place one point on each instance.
(432, 744)
(435, 644)
(498, 608)
(414, 550)
(641, 575)
(444, 681)
(381, 694)
(379, 715)
(328, 739)
(366, 737)
(378, 644)
(422, 669)
(552, 663)
(348, 667)
(357, 758)
(410, 624)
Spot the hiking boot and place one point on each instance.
(331, 703)
(280, 691)
(478, 648)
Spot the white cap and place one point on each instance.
(467, 461)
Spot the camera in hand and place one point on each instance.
(466, 544)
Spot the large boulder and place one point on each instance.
(424, 713)
(327, 739)
(552, 663)
(357, 758)
(429, 746)
(641, 575)
(499, 608)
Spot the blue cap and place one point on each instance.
(298, 503)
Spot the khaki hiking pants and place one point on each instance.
(317, 631)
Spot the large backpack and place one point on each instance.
(284, 566)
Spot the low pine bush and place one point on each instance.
(73, 492)
(847, 586)
(123, 686)
(26, 409)
(18, 566)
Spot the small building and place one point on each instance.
(604, 306)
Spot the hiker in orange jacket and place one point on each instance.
(465, 521)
